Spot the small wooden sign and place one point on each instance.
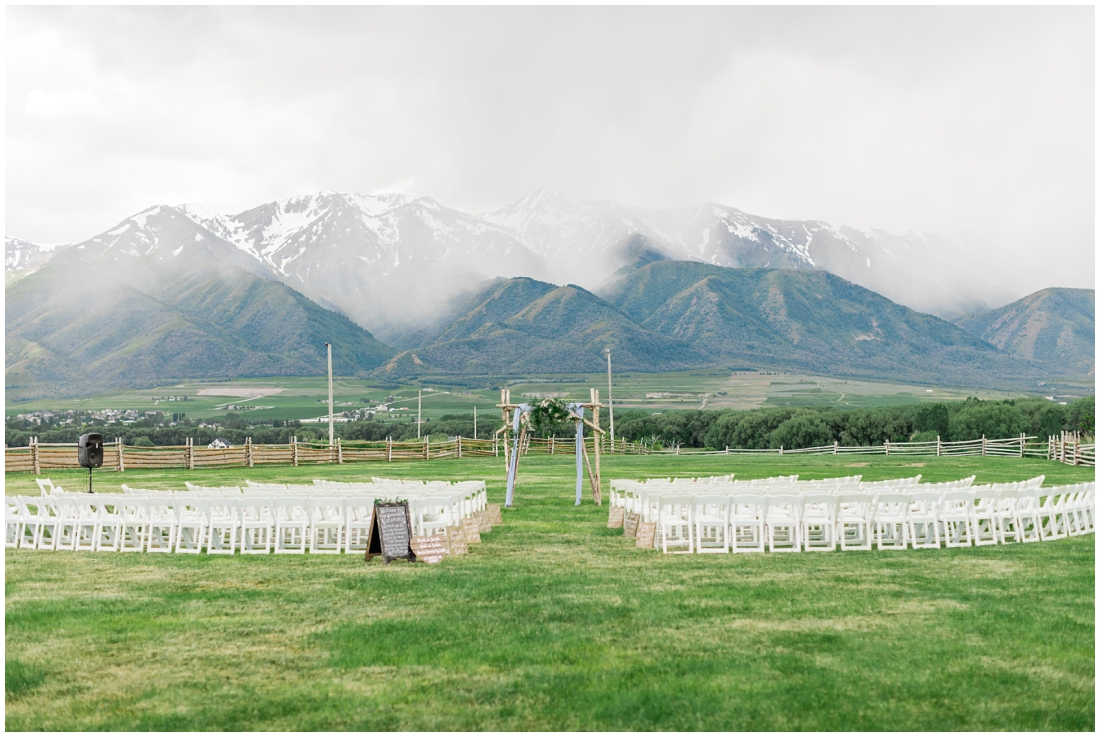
(456, 541)
(483, 522)
(470, 530)
(390, 533)
(630, 528)
(646, 532)
(494, 514)
(429, 548)
(615, 517)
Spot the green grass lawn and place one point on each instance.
(555, 622)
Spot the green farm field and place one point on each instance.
(555, 622)
(301, 398)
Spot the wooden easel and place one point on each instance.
(593, 405)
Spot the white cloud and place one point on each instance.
(938, 119)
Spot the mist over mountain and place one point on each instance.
(388, 261)
(523, 326)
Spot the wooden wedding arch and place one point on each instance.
(514, 434)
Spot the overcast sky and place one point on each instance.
(973, 121)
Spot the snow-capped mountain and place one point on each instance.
(22, 257)
(389, 261)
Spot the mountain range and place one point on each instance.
(406, 287)
(387, 260)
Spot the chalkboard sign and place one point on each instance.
(390, 532)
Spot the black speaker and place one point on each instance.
(89, 450)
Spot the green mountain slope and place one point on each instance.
(810, 321)
(1055, 325)
(523, 326)
(112, 313)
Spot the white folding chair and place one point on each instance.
(1006, 523)
(674, 523)
(985, 515)
(327, 525)
(160, 530)
(191, 522)
(747, 523)
(924, 519)
(132, 524)
(110, 523)
(1027, 515)
(1052, 513)
(66, 522)
(291, 525)
(712, 524)
(358, 515)
(15, 524)
(818, 522)
(222, 525)
(257, 524)
(781, 523)
(891, 521)
(957, 518)
(1076, 517)
(853, 521)
(87, 523)
(45, 486)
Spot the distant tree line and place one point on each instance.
(789, 427)
(806, 427)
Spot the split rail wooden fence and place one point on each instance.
(37, 457)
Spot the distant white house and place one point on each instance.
(219, 443)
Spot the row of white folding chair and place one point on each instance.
(1066, 510)
(895, 520)
(181, 523)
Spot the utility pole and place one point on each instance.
(610, 410)
(329, 346)
(419, 395)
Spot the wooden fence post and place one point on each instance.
(294, 449)
(983, 444)
(34, 456)
(121, 461)
(551, 445)
(339, 452)
(248, 452)
(1022, 439)
(887, 446)
(458, 446)
(426, 446)
(836, 446)
(939, 446)
(389, 449)
(780, 450)
(189, 454)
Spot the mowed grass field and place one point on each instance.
(556, 622)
